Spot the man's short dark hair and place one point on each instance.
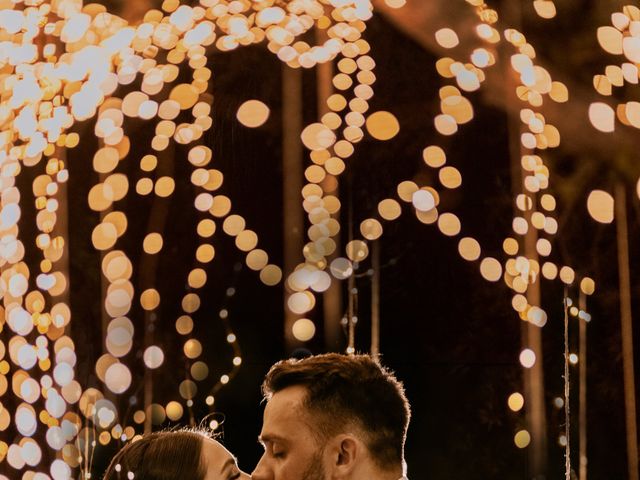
(349, 390)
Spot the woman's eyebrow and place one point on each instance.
(231, 462)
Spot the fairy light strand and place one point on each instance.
(68, 80)
(328, 151)
(231, 339)
(567, 387)
(52, 87)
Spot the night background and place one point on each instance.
(452, 337)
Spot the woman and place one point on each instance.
(174, 455)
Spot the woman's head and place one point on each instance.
(174, 455)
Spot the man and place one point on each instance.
(333, 417)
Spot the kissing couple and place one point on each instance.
(327, 417)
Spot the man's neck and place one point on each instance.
(369, 472)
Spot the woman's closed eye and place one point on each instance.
(234, 473)
(230, 470)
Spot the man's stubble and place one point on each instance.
(315, 471)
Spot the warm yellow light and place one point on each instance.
(382, 125)
(185, 95)
(600, 205)
(434, 156)
(389, 209)
(153, 243)
(450, 177)
(516, 402)
(253, 113)
(469, 249)
(522, 439)
(150, 299)
(303, 329)
(602, 117)
(587, 286)
(491, 269)
(371, 229)
(271, 275)
(447, 38)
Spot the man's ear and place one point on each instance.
(346, 453)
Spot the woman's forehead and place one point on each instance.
(213, 451)
(217, 459)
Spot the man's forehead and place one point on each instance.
(284, 410)
(290, 397)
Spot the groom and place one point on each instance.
(333, 417)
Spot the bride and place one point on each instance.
(176, 455)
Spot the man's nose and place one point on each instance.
(262, 472)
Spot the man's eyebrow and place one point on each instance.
(269, 438)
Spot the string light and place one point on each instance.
(73, 79)
(88, 53)
(535, 82)
(545, 8)
(328, 148)
(619, 38)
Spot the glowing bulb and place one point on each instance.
(527, 358)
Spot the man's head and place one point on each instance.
(330, 416)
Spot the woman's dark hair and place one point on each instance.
(169, 455)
